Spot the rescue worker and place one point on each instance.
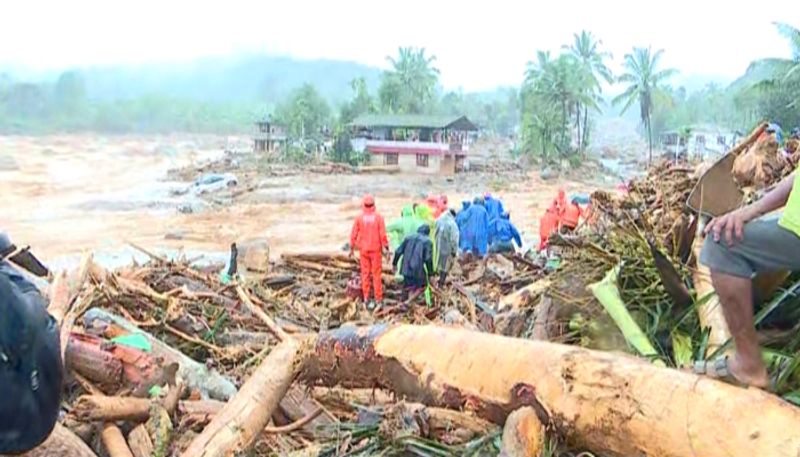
(443, 208)
(31, 372)
(548, 225)
(399, 229)
(476, 229)
(461, 219)
(504, 233)
(447, 243)
(571, 217)
(561, 204)
(417, 254)
(494, 207)
(424, 215)
(369, 237)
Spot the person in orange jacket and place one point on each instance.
(561, 203)
(571, 217)
(548, 224)
(369, 237)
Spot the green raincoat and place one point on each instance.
(399, 229)
(424, 215)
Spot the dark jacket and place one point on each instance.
(417, 253)
(31, 373)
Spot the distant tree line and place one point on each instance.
(554, 111)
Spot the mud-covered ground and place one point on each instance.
(67, 194)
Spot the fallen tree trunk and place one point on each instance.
(196, 374)
(61, 442)
(709, 309)
(602, 402)
(114, 442)
(244, 417)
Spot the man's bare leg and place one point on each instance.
(736, 298)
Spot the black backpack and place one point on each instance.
(31, 371)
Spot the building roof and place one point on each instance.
(414, 121)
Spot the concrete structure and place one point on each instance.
(268, 137)
(698, 142)
(415, 143)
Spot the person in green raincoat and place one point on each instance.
(400, 228)
(424, 215)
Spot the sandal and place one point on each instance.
(717, 369)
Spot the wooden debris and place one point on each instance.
(114, 442)
(523, 434)
(236, 427)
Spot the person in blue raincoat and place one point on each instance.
(504, 233)
(461, 220)
(493, 206)
(476, 229)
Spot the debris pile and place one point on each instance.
(169, 358)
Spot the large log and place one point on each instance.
(241, 421)
(61, 442)
(196, 374)
(603, 402)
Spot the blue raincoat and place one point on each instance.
(494, 207)
(461, 219)
(476, 230)
(504, 233)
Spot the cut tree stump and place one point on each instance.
(602, 402)
(523, 434)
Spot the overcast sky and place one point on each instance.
(479, 45)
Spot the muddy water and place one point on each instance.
(75, 193)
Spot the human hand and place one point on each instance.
(730, 225)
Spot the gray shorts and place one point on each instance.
(766, 248)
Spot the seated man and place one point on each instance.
(30, 362)
(504, 233)
(739, 245)
(417, 254)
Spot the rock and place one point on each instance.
(254, 255)
(548, 173)
(176, 234)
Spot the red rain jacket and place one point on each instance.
(369, 231)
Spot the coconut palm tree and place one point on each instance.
(410, 86)
(644, 77)
(587, 50)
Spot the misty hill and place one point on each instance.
(243, 78)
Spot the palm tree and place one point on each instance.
(645, 79)
(555, 84)
(586, 49)
(410, 85)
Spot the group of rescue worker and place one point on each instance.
(561, 217)
(427, 239)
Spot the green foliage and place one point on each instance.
(644, 79)
(362, 102)
(558, 95)
(410, 86)
(305, 114)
